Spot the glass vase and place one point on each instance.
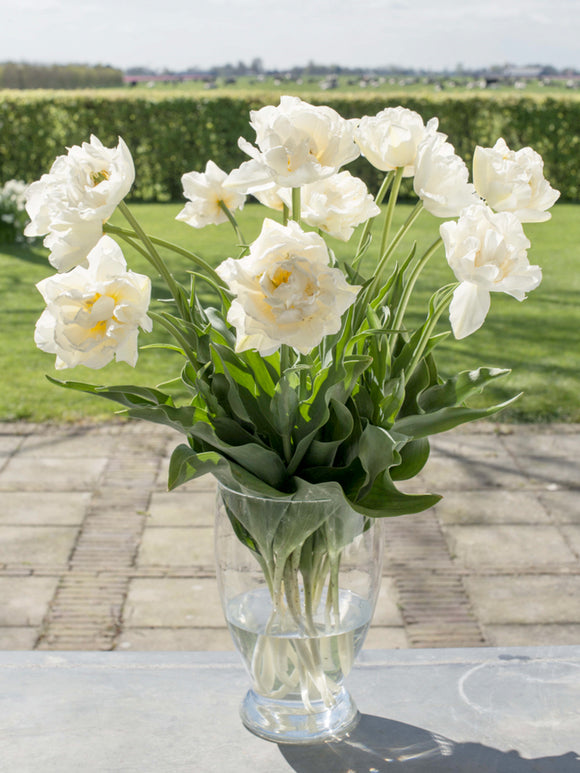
(298, 579)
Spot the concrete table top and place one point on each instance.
(500, 710)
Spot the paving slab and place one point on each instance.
(177, 546)
(509, 546)
(546, 635)
(25, 600)
(29, 544)
(18, 637)
(51, 474)
(178, 508)
(490, 507)
(46, 508)
(562, 505)
(517, 599)
(174, 601)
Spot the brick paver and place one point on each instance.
(95, 554)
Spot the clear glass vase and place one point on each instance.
(298, 580)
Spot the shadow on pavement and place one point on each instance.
(381, 745)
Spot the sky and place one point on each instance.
(179, 34)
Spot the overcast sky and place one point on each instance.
(178, 34)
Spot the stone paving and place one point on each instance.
(96, 555)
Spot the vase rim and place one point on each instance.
(285, 498)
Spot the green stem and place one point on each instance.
(155, 259)
(178, 335)
(199, 261)
(370, 294)
(367, 227)
(409, 286)
(227, 212)
(446, 294)
(285, 214)
(391, 207)
(296, 205)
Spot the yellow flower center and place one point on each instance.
(98, 177)
(281, 277)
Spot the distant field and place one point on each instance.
(347, 84)
(318, 87)
(537, 338)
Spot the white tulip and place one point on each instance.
(272, 197)
(205, 191)
(441, 178)
(297, 143)
(71, 202)
(337, 205)
(286, 292)
(93, 314)
(513, 181)
(488, 253)
(391, 138)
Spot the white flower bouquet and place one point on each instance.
(305, 378)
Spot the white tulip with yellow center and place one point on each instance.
(286, 291)
(70, 204)
(513, 181)
(297, 143)
(93, 314)
(441, 178)
(488, 253)
(337, 205)
(205, 191)
(390, 139)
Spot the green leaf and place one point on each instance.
(459, 388)
(126, 394)
(385, 500)
(414, 456)
(444, 419)
(337, 429)
(186, 465)
(260, 461)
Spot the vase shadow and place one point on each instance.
(379, 745)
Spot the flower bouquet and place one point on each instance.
(310, 394)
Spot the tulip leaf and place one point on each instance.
(445, 419)
(414, 455)
(255, 458)
(334, 432)
(459, 388)
(385, 500)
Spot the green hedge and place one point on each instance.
(172, 135)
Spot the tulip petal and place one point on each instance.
(468, 309)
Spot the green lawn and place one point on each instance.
(537, 338)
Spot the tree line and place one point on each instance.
(14, 75)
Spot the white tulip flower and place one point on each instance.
(441, 178)
(513, 181)
(391, 138)
(93, 314)
(337, 205)
(488, 253)
(286, 292)
(273, 197)
(297, 143)
(70, 204)
(205, 191)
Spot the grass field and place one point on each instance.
(537, 338)
(312, 86)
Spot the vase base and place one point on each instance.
(289, 722)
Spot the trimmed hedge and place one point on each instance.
(170, 135)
